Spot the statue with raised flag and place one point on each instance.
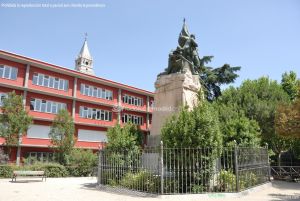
(187, 50)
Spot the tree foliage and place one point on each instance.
(62, 135)
(258, 99)
(287, 121)
(196, 128)
(213, 78)
(14, 121)
(291, 84)
(127, 138)
(296, 148)
(236, 127)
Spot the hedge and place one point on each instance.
(51, 169)
(6, 171)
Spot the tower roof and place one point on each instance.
(84, 52)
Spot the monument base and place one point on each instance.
(172, 92)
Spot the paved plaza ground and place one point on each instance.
(84, 189)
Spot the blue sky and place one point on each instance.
(130, 39)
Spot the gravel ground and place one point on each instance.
(84, 189)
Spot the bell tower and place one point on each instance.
(84, 61)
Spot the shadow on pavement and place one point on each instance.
(117, 191)
(282, 197)
(25, 181)
(284, 185)
(89, 186)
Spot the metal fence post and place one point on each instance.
(236, 167)
(99, 167)
(161, 167)
(268, 158)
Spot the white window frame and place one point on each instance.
(135, 119)
(132, 100)
(97, 114)
(96, 92)
(12, 72)
(44, 105)
(39, 79)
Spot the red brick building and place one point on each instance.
(92, 101)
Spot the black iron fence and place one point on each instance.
(161, 170)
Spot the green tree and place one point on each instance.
(259, 100)
(290, 84)
(14, 122)
(236, 127)
(127, 138)
(196, 128)
(296, 148)
(124, 145)
(213, 78)
(62, 135)
(279, 145)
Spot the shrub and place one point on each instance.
(248, 180)
(198, 188)
(171, 185)
(227, 181)
(51, 169)
(6, 171)
(106, 177)
(81, 162)
(143, 181)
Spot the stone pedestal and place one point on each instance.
(172, 92)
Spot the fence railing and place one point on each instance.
(286, 172)
(161, 170)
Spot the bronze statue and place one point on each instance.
(186, 50)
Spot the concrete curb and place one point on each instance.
(216, 195)
(186, 196)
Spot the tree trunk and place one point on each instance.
(19, 149)
(279, 159)
(18, 155)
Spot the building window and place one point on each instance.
(96, 92)
(39, 105)
(8, 72)
(2, 97)
(138, 120)
(92, 113)
(44, 157)
(132, 100)
(49, 81)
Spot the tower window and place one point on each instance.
(86, 63)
